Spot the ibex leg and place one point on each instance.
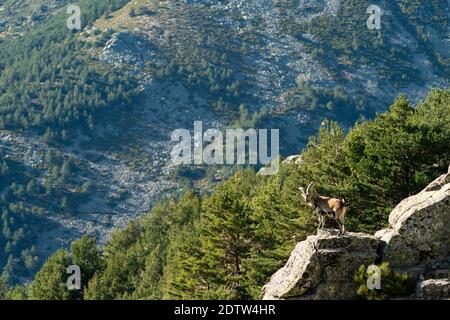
(321, 219)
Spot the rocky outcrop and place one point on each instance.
(127, 48)
(295, 159)
(418, 238)
(322, 267)
(416, 242)
(433, 289)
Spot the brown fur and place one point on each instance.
(326, 205)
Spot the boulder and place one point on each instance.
(419, 235)
(433, 289)
(296, 159)
(322, 267)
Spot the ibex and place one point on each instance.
(326, 205)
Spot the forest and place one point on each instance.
(225, 244)
(50, 88)
(48, 83)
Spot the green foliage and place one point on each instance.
(342, 45)
(207, 56)
(50, 281)
(86, 255)
(228, 243)
(123, 263)
(247, 120)
(225, 228)
(393, 284)
(279, 219)
(343, 34)
(48, 86)
(3, 287)
(380, 162)
(47, 83)
(398, 153)
(18, 292)
(25, 199)
(14, 293)
(310, 97)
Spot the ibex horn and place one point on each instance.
(307, 188)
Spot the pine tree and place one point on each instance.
(279, 220)
(224, 238)
(3, 287)
(87, 256)
(50, 281)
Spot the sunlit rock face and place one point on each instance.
(417, 242)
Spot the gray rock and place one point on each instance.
(295, 159)
(417, 242)
(433, 289)
(419, 229)
(127, 48)
(322, 267)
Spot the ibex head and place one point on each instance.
(306, 194)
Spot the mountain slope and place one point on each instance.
(227, 244)
(86, 116)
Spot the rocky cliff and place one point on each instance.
(417, 242)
